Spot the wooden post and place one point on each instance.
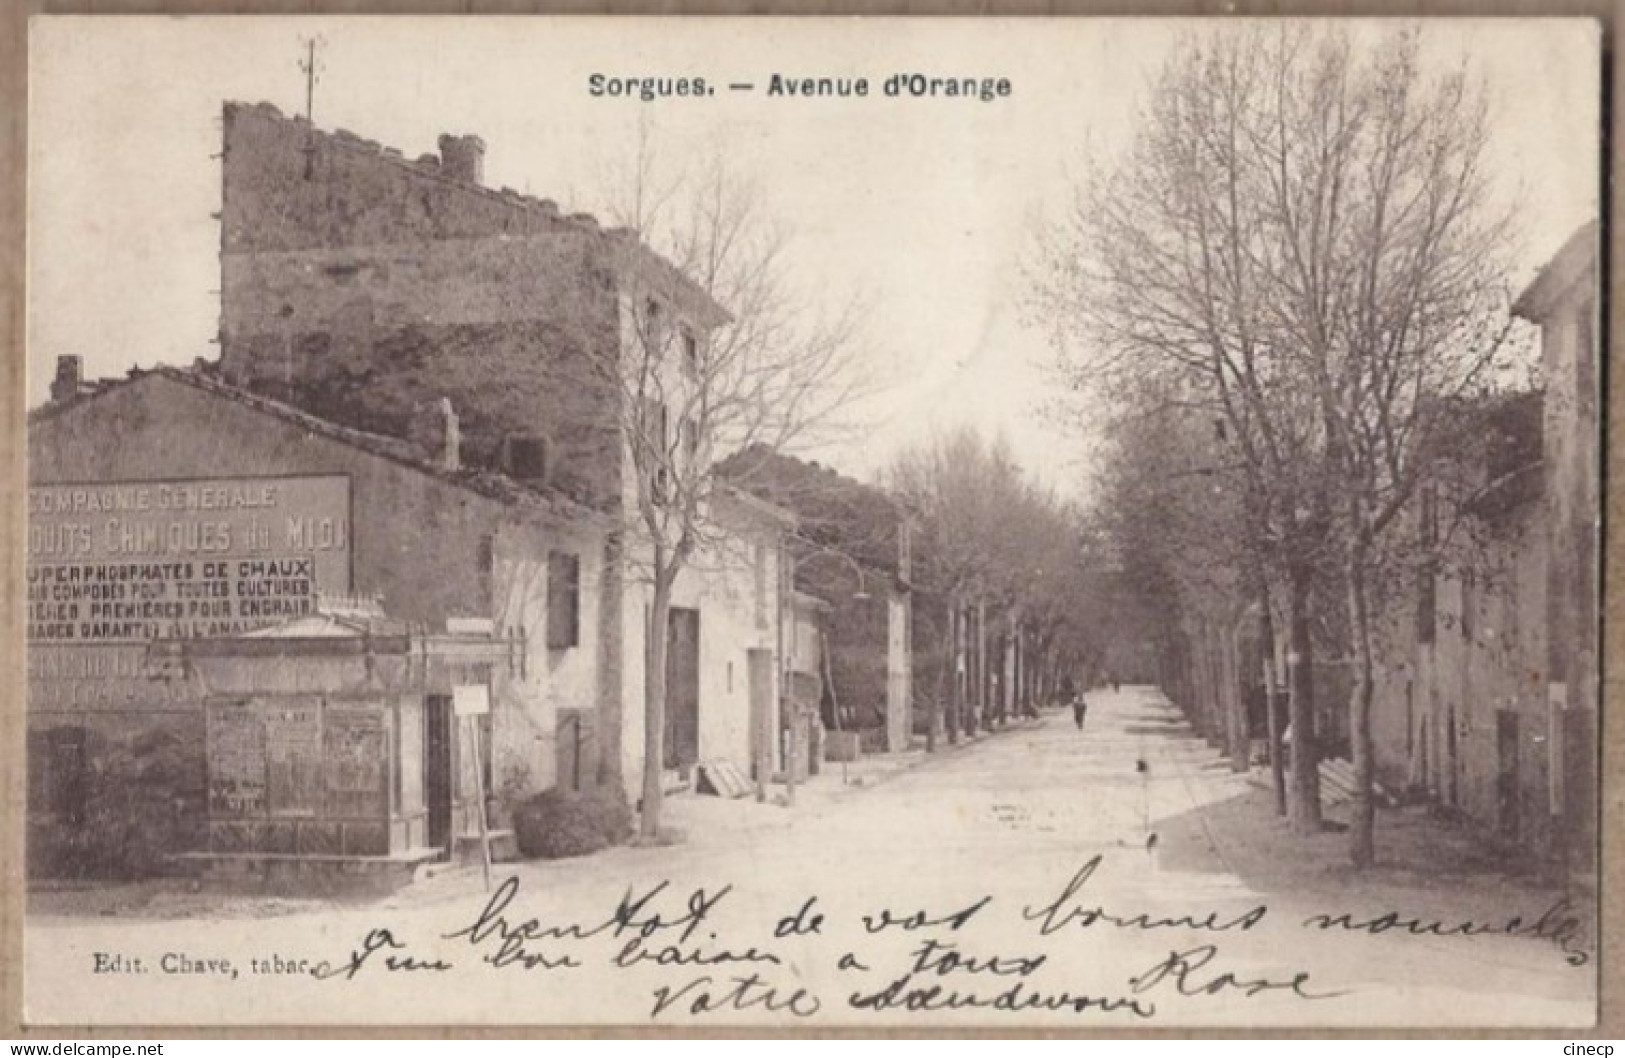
(473, 740)
(470, 703)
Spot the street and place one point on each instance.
(1120, 877)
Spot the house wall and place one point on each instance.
(511, 330)
(739, 609)
(358, 285)
(1568, 351)
(1462, 718)
(429, 549)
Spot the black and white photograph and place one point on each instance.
(688, 524)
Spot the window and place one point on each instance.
(654, 333)
(655, 428)
(1468, 600)
(691, 353)
(1427, 598)
(485, 570)
(563, 600)
(759, 561)
(527, 457)
(1427, 604)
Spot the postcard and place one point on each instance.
(1064, 524)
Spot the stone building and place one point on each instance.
(173, 506)
(851, 552)
(1461, 662)
(357, 284)
(1488, 684)
(437, 364)
(1562, 302)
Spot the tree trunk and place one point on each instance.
(1237, 728)
(1272, 706)
(947, 678)
(961, 671)
(1305, 809)
(611, 597)
(979, 717)
(1362, 825)
(654, 703)
(1213, 682)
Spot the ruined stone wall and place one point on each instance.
(288, 186)
(513, 331)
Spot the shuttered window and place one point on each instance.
(563, 600)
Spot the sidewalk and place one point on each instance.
(1424, 863)
(705, 821)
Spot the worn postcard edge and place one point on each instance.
(13, 209)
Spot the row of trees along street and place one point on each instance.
(783, 371)
(1290, 292)
(1286, 298)
(994, 551)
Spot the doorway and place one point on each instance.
(759, 664)
(438, 755)
(682, 688)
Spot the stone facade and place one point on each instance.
(1562, 301)
(429, 539)
(852, 550)
(1461, 673)
(359, 286)
(1487, 685)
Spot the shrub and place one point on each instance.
(558, 823)
(143, 802)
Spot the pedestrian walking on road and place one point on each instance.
(1069, 691)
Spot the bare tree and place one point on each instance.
(718, 351)
(1303, 237)
(990, 540)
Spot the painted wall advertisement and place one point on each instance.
(112, 567)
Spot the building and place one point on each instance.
(1460, 669)
(356, 284)
(851, 552)
(430, 371)
(1489, 682)
(171, 506)
(1562, 302)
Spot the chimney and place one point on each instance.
(70, 374)
(436, 431)
(463, 158)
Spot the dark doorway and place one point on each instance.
(759, 664)
(682, 688)
(1506, 774)
(438, 750)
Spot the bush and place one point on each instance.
(143, 802)
(559, 823)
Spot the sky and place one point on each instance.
(926, 209)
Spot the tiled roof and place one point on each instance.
(547, 501)
(834, 511)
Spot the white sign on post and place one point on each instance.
(471, 700)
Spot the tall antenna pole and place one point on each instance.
(310, 76)
(311, 70)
